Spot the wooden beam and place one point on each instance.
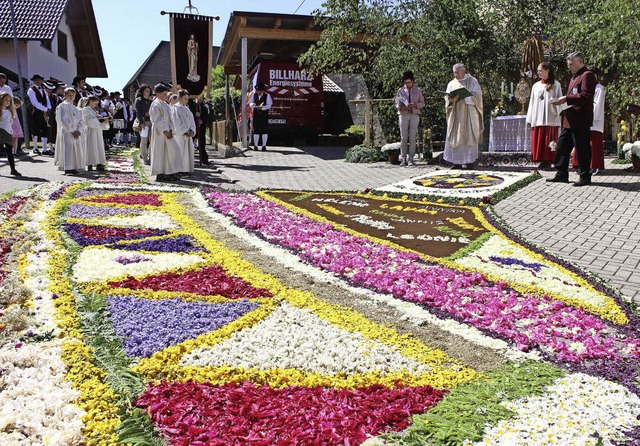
(77, 22)
(277, 23)
(279, 34)
(230, 50)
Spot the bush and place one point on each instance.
(356, 132)
(363, 154)
(217, 102)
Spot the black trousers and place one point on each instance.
(202, 140)
(568, 139)
(8, 150)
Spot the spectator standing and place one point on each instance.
(7, 116)
(3, 85)
(17, 127)
(577, 119)
(260, 104)
(409, 102)
(41, 107)
(141, 105)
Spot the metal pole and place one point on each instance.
(227, 114)
(25, 118)
(245, 124)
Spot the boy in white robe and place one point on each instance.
(166, 161)
(69, 155)
(93, 137)
(185, 129)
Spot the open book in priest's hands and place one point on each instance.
(460, 92)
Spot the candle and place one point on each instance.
(511, 87)
(502, 88)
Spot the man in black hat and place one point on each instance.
(54, 89)
(40, 108)
(260, 104)
(79, 83)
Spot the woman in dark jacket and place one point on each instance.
(141, 105)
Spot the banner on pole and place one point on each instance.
(191, 51)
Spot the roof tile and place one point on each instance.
(35, 19)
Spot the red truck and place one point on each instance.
(298, 100)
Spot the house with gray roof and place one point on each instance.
(56, 38)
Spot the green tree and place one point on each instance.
(380, 39)
(607, 32)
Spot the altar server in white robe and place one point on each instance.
(93, 137)
(185, 128)
(464, 120)
(70, 149)
(166, 160)
(543, 116)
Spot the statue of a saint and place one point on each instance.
(192, 54)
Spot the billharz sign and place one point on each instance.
(191, 51)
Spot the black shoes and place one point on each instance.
(264, 149)
(544, 165)
(557, 179)
(582, 182)
(89, 168)
(163, 177)
(15, 173)
(255, 148)
(100, 167)
(71, 172)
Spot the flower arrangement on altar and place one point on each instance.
(505, 107)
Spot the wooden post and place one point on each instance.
(367, 122)
(368, 116)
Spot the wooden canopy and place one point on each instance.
(285, 36)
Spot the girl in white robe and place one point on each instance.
(543, 116)
(93, 137)
(70, 155)
(166, 160)
(185, 128)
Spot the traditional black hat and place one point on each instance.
(36, 77)
(78, 79)
(260, 87)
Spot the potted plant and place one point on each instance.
(392, 152)
(632, 152)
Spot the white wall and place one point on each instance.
(47, 63)
(35, 59)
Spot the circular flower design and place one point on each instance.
(460, 181)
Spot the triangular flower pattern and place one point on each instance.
(147, 326)
(210, 280)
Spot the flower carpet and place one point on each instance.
(461, 184)
(147, 314)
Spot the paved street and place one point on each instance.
(596, 227)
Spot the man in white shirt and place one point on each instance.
(41, 107)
